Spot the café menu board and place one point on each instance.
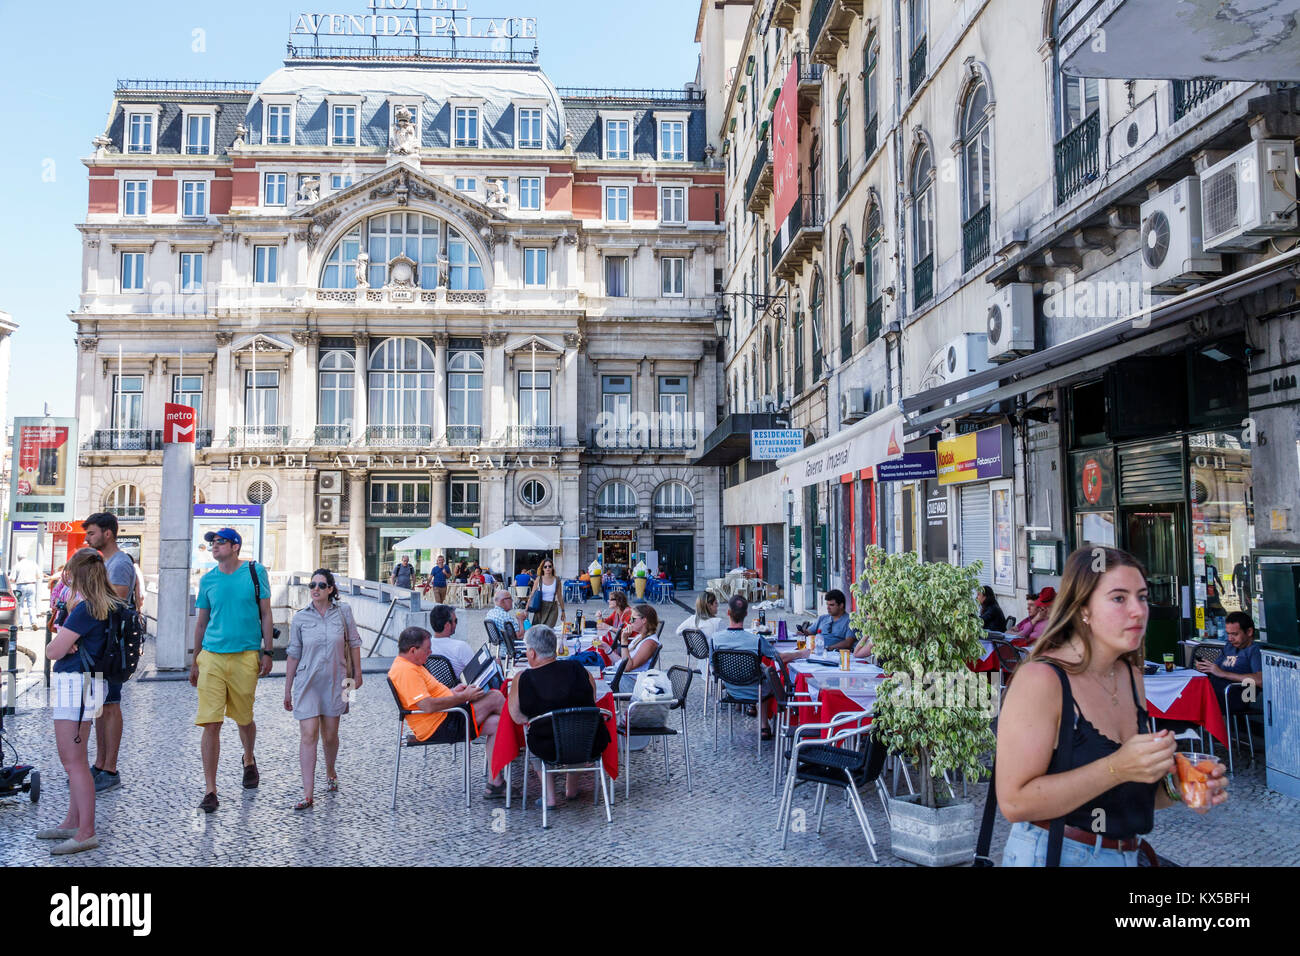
(44, 474)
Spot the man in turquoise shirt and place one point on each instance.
(233, 622)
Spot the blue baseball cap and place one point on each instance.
(229, 534)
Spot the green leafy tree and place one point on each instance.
(923, 622)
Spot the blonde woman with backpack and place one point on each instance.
(78, 696)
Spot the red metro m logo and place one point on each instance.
(178, 424)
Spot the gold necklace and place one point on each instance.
(1114, 690)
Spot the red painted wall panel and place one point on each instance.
(701, 204)
(244, 192)
(219, 202)
(559, 194)
(103, 196)
(645, 202)
(164, 195)
(586, 202)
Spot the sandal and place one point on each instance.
(304, 804)
(331, 784)
(494, 793)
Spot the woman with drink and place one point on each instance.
(637, 644)
(1107, 790)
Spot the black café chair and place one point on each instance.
(441, 669)
(788, 702)
(697, 649)
(681, 681)
(574, 730)
(453, 729)
(833, 763)
(743, 669)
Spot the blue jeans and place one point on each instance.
(1027, 846)
(26, 595)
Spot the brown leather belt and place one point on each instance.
(1083, 836)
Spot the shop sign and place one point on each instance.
(773, 444)
(618, 535)
(178, 424)
(979, 457)
(1094, 478)
(246, 519)
(913, 466)
(474, 462)
(27, 526)
(443, 19)
(44, 468)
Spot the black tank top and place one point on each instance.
(1129, 808)
(555, 686)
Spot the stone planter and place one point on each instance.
(942, 837)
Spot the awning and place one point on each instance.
(1141, 331)
(729, 442)
(865, 444)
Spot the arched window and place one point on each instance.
(873, 271)
(870, 106)
(843, 143)
(401, 383)
(844, 279)
(1077, 119)
(818, 314)
(416, 236)
(798, 353)
(977, 177)
(337, 373)
(616, 499)
(753, 371)
(465, 398)
(744, 377)
(922, 227)
(674, 500)
(465, 273)
(341, 265)
(125, 502)
(780, 363)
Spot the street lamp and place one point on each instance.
(721, 319)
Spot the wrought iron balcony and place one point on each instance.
(464, 436)
(799, 236)
(923, 282)
(817, 22)
(333, 435)
(758, 187)
(250, 436)
(872, 132)
(400, 509)
(875, 315)
(399, 436)
(975, 239)
(916, 66)
(125, 439)
(633, 438)
(674, 512)
(128, 512)
(615, 511)
(534, 436)
(829, 26)
(1189, 94)
(1078, 157)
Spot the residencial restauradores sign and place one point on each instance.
(415, 18)
(773, 444)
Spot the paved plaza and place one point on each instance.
(729, 819)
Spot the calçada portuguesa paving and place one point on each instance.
(729, 819)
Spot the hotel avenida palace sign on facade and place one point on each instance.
(415, 287)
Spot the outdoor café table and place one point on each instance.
(1188, 695)
(836, 690)
(510, 742)
(990, 660)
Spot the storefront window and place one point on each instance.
(1223, 526)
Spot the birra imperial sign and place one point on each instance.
(415, 18)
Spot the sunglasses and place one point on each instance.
(318, 587)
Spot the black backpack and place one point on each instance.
(122, 646)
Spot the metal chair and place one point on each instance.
(572, 592)
(681, 681)
(829, 763)
(574, 730)
(788, 703)
(445, 735)
(512, 644)
(742, 669)
(1230, 719)
(442, 670)
(697, 648)
(1009, 657)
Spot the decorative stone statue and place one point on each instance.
(494, 194)
(241, 131)
(309, 189)
(444, 270)
(404, 140)
(568, 140)
(363, 271)
(101, 142)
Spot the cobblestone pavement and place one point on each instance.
(729, 819)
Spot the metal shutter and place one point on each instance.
(1153, 473)
(976, 511)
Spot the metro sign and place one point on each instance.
(178, 424)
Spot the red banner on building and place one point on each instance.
(785, 142)
(178, 424)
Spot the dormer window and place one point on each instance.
(530, 123)
(277, 130)
(140, 128)
(618, 138)
(198, 131)
(672, 137)
(411, 106)
(465, 127)
(345, 117)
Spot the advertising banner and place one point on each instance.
(913, 466)
(245, 519)
(44, 469)
(977, 456)
(785, 147)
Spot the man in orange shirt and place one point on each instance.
(419, 691)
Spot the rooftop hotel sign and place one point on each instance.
(415, 18)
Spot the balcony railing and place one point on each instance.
(842, 180)
(975, 239)
(1077, 157)
(810, 74)
(464, 436)
(400, 509)
(916, 67)
(817, 22)
(651, 439)
(923, 281)
(801, 232)
(333, 435)
(534, 436)
(259, 436)
(128, 512)
(1189, 94)
(399, 436)
(758, 183)
(875, 314)
(615, 511)
(125, 439)
(674, 512)
(873, 130)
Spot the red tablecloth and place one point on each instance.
(833, 703)
(1197, 703)
(990, 661)
(510, 739)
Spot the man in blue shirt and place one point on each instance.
(1242, 662)
(833, 626)
(736, 638)
(438, 579)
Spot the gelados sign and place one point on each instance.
(415, 18)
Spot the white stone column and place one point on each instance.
(224, 400)
(302, 413)
(494, 373)
(87, 384)
(440, 388)
(570, 491)
(155, 394)
(567, 400)
(361, 392)
(438, 496)
(357, 504)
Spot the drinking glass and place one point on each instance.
(1169, 662)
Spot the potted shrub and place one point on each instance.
(923, 622)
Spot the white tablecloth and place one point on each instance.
(858, 683)
(1163, 688)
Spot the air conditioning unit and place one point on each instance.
(754, 408)
(329, 482)
(958, 358)
(1011, 322)
(1173, 255)
(329, 510)
(1250, 196)
(853, 405)
(1134, 131)
(769, 403)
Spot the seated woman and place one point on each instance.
(1035, 623)
(476, 577)
(706, 617)
(637, 645)
(462, 574)
(548, 685)
(620, 615)
(991, 615)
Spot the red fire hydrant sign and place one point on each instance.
(178, 424)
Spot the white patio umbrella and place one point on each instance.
(513, 537)
(438, 537)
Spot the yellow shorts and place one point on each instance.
(227, 683)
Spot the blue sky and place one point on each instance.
(60, 62)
